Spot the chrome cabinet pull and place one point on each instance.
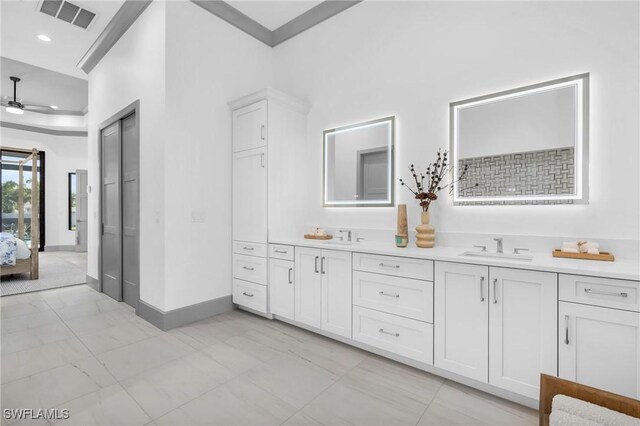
(482, 289)
(290, 279)
(281, 251)
(322, 265)
(248, 268)
(383, 265)
(262, 132)
(247, 294)
(390, 333)
(495, 294)
(247, 248)
(382, 293)
(317, 257)
(566, 329)
(262, 160)
(606, 293)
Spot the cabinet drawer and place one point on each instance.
(401, 296)
(251, 295)
(410, 338)
(400, 266)
(251, 249)
(278, 251)
(605, 292)
(250, 268)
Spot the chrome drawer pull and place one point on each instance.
(248, 294)
(281, 251)
(382, 265)
(566, 329)
(290, 279)
(482, 289)
(247, 268)
(382, 293)
(606, 293)
(316, 264)
(247, 248)
(383, 331)
(495, 291)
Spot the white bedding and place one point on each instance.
(22, 250)
(12, 249)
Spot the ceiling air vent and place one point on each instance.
(67, 12)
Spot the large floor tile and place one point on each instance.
(460, 402)
(116, 336)
(108, 406)
(291, 379)
(233, 359)
(135, 358)
(89, 323)
(53, 387)
(22, 305)
(26, 322)
(164, 388)
(92, 306)
(334, 357)
(17, 365)
(253, 347)
(238, 402)
(34, 337)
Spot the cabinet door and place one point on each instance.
(250, 127)
(281, 287)
(522, 329)
(308, 288)
(461, 321)
(250, 196)
(335, 268)
(599, 347)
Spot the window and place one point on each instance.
(9, 158)
(72, 201)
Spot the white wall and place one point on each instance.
(209, 63)
(134, 69)
(411, 59)
(63, 154)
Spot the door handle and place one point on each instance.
(262, 132)
(482, 289)
(317, 257)
(566, 329)
(495, 294)
(290, 279)
(322, 265)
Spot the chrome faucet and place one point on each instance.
(349, 232)
(499, 249)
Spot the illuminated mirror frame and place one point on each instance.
(390, 201)
(581, 193)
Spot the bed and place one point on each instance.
(18, 257)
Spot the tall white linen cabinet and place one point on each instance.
(269, 134)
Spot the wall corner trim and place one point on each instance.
(166, 320)
(122, 20)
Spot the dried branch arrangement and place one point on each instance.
(428, 184)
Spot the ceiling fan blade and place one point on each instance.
(36, 107)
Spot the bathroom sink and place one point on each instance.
(495, 255)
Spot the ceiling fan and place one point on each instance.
(16, 107)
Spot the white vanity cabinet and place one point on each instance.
(266, 126)
(323, 289)
(599, 345)
(496, 325)
(282, 287)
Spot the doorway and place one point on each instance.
(120, 206)
(372, 174)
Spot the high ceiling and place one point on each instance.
(22, 22)
(273, 14)
(43, 87)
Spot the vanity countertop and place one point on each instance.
(619, 269)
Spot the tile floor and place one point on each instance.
(73, 348)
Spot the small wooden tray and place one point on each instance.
(608, 257)
(318, 237)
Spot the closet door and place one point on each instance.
(250, 127)
(111, 254)
(250, 196)
(82, 198)
(130, 212)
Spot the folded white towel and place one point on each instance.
(591, 412)
(570, 250)
(584, 248)
(593, 251)
(569, 244)
(562, 418)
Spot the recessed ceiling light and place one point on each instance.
(53, 106)
(44, 38)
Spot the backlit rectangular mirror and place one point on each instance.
(358, 164)
(523, 146)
